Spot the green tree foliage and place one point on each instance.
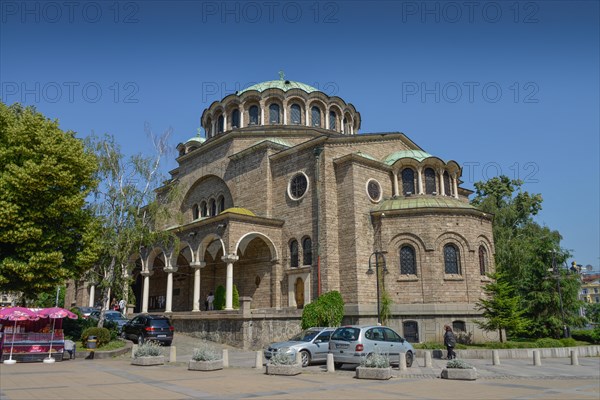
(327, 310)
(592, 312)
(127, 211)
(219, 303)
(45, 176)
(502, 309)
(525, 251)
(236, 298)
(385, 310)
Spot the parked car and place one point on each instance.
(86, 311)
(111, 316)
(312, 343)
(349, 344)
(149, 327)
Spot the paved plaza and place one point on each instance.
(116, 378)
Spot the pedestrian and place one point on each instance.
(210, 299)
(122, 306)
(114, 305)
(449, 341)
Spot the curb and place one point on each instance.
(82, 354)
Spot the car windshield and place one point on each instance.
(114, 317)
(348, 334)
(305, 336)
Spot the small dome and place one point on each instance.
(280, 84)
(418, 155)
(196, 139)
(238, 210)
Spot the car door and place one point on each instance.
(320, 346)
(135, 327)
(375, 341)
(395, 344)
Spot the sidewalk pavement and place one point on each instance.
(118, 379)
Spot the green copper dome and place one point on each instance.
(418, 155)
(196, 139)
(282, 84)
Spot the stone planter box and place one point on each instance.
(205, 365)
(373, 373)
(287, 370)
(469, 374)
(150, 360)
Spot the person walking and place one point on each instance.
(122, 306)
(449, 341)
(210, 299)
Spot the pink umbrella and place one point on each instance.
(54, 312)
(16, 314)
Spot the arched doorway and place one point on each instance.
(411, 331)
(299, 292)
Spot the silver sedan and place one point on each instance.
(312, 344)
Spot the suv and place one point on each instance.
(349, 344)
(111, 317)
(149, 327)
(312, 343)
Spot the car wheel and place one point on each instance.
(337, 365)
(409, 359)
(140, 339)
(305, 358)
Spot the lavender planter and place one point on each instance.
(469, 374)
(149, 360)
(373, 373)
(288, 370)
(205, 365)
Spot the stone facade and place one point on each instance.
(286, 209)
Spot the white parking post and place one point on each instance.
(173, 354)
(537, 360)
(495, 357)
(225, 358)
(402, 364)
(258, 362)
(299, 358)
(428, 363)
(330, 364)
(574, 357)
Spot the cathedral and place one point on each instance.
(284, 200)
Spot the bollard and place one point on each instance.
(299, 358)
(258, 363)
(133, 350)
(495, 357)
(225, 358)
(91, 347)
(428, 363)
(574, 357)
(173, 354)
(402, 363)
(330, 363)
(537, 358)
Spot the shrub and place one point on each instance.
(429, 346)
(205, 352)
(327, 310)
(219, 302)
(236, 298)
(73, 328)
(102, 336)
(458, 364)
(376, 360)
(590, 336)
(568, 342)
(464, 337)
(148, 349)
(281, 358)
(548, 342)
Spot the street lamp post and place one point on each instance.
(562, 310)
(379, 259)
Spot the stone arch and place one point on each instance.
(246, 238)
(211, 243)
(206, 188)
(394, 249)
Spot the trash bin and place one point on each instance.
(91, 343)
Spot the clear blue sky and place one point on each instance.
(499, 86)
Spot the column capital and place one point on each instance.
(147, 273)
(198, 264)
(170, 269)
(229, 258)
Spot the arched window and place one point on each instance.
(235, 118)
(195, 212)
(429, 181)
(451, 259)
(253, 113)
(307, 251)
(294, 254)
(408, 181)
(208, 128)
(221, 203)
(482, 260)
(220, 124)
(408, 264)
(213, 208)
(296, 114)
(345, 125)
(447, 186)
(315, 116)
(274, 113)
(332, 117)
(203, 209)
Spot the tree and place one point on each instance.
(592, 312)
(127, 210)
(502, 309)
(525, 251)
(326, 310)
(45, 177)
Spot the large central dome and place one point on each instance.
(284, 85)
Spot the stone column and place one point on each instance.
(224, 121)
(276, 284)
(306, 120)
(395, 173)
(455, 184)
(442, 185)
(92, 295)
(241, 117)
(420, 178)
(146, 290)
(169, 299)
(326, 118)
(196, 299)
(229, 259)
(284, 114)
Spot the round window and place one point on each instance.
(374, 190)
(298, 186)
